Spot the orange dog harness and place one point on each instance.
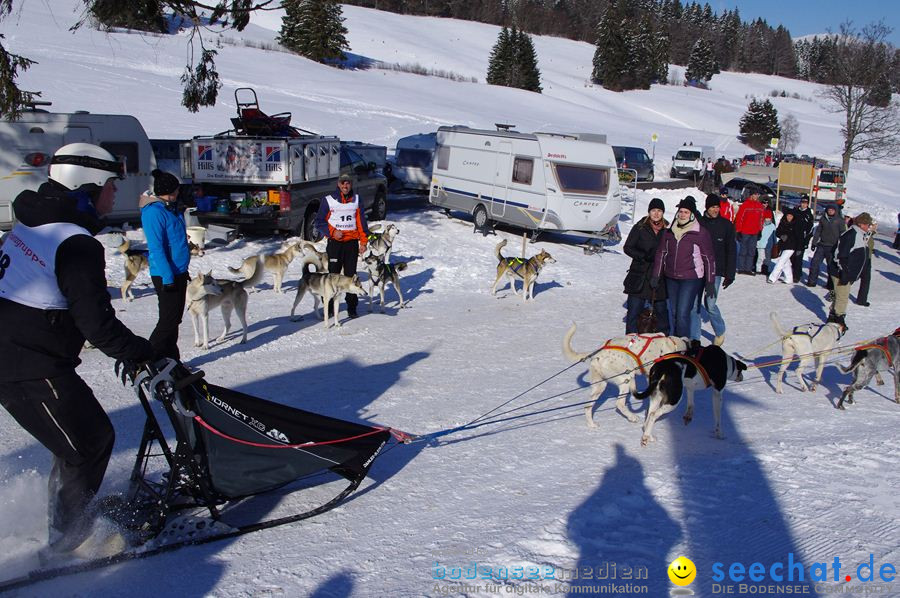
(636, 356)
(881, 345)
(692, 360)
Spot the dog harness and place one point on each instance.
(383, 272)
(693, 360)
(633, 339)
(813, 330)
(881, 345)
(515, 263)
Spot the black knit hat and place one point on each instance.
(712, 200)
(688, 202)
(656, 204)
(164, 183)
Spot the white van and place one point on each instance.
(27, 144)
(684, 160)
(536, 181)
(412, 162)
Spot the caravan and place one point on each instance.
(536, 181)
(412, 162)
(27, 144)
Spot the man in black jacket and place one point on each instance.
(52, 297)
(721, 230)
(805, 220)
(825, 239)
(852, 255)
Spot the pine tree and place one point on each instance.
(314, 29)
(527, 64)
(501, 59)
(702, 64)
(610, 57)
(880, 92)
(140, 15)
(759, 124)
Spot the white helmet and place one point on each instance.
(78, 164)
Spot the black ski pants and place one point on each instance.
(342, 259)
(63, 415)
(865, 279)
(825, 252)
(164, 337)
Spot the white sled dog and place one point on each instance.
(617, 362)
(205, 293)
(810, 342)
(380, 242)
(679, 372)
(310, 249)
(883, 354)
(324, 287)
(277, 263)
(380, 273)
(515, 269)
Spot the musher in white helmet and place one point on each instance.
(52, 297)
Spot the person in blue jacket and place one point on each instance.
(169, 257)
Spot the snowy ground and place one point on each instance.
(537, 488)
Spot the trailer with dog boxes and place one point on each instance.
(536, 181)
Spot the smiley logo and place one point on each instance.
(682, 571)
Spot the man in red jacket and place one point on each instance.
(747, 225)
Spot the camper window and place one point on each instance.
(415, 158)
(522, 169)
(126, 150)
(582, 179)
(443, 157)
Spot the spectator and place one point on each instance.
(747, 225)
(726, 209)
(166, 235)
(641, 246)
(896, 244)
(865, 279)
(804, 220)
(686, 258)
(852, 255)
(789, 237)
(698, 171)
(764, 247)
(825, 239)
(721, 231)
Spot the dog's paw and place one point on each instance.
(719, 434)
(645, 440)
(812, 387)
(879, 381)
(688, 419)
(633, 418)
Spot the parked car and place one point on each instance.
(735, 187)
(634, 158)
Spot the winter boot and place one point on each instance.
(719, 340)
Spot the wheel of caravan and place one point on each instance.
(379, 206)
(480, 216)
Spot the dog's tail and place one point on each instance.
(123, 248)
(568, 351)
(251, 277)
(858, 357)
(777, 325)
(309, 260)
(654, 384)
(247, 267)
(497, 249)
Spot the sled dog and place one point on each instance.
(312, 250)
(883, 354)
(136, 261)
(205, 293)
(325, 287)
(515, 269)
(380, 273)
(812, 342)
(276, 263)
(618, 362)
(380, 243)
(680, 372)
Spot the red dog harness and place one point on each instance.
(882, 345)
(694, 361)
(636, 356)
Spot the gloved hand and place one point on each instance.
(127, 369)
(169, 288)
(710, 289)
(727, 283)
(654, 282)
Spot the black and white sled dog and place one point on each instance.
(883, 354)
(678, 372)
(325, 287)
(205, 293)
(380, 243)
(812, 342)
(380, 273)
(515, 268)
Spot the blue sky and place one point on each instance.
(803, 17)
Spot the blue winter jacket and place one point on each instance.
(166, 235)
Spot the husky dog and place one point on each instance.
(670, 376)
(321, 258)
(883, 354)
(518, 269)
(618, 362)
(205, 293)
(136, 261)
(276, 263)
(380, 243)
(380, 273)
(325, 287)
(809, 343)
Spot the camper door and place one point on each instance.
(502, 173)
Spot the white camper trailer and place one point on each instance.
(536, 181)
(27, 144)
(412, 163)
